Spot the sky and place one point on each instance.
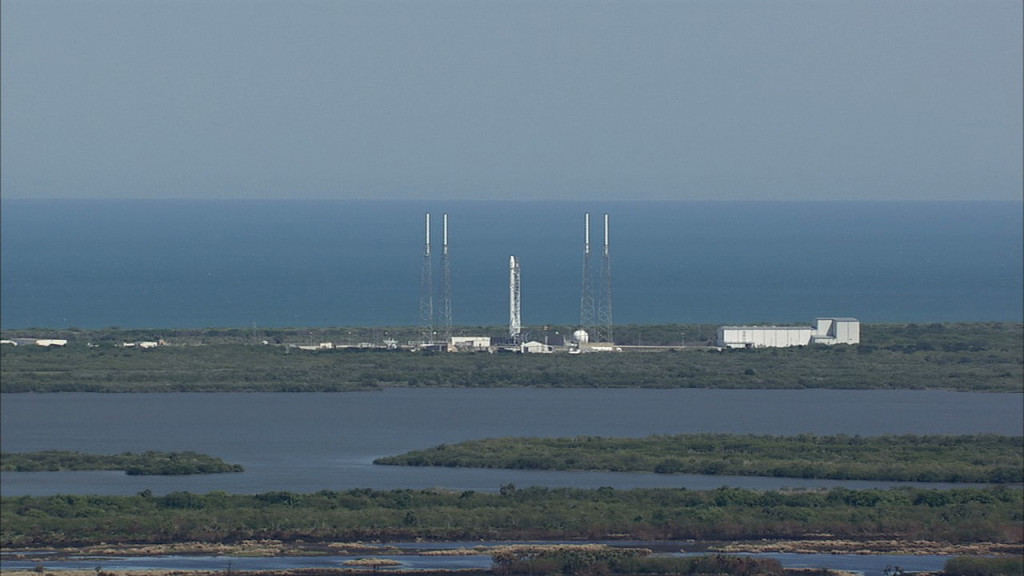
(512, 99)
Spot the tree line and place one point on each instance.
(134, 464)
(603, 560)
(970, 458)
(963, 515)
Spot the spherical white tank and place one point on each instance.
(581, 336)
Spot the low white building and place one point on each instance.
(825, 331)
(44, 342)
(534, 347)
(148, 344)
(598, 347)
(471, 342)
(320, 346)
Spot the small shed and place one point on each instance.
(534, 347)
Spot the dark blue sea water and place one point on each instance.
(146, 263)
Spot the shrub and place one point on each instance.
(975, 566)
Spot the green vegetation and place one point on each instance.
(142, 464)
(969, 357)
(981, 458)
(604, 560)
(955, 516)
(978, 566)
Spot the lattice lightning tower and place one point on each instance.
(604, 302)
(446, 284)
(587, 289)
(427, 292)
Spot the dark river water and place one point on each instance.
(306, 442)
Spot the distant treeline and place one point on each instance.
(601, 560)
(993, 515)
(984, 566)
(969, 357)
(977, 458)
(141, 464)
(592, 560)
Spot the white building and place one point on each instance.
(470, 342)
(44, 342)
(320, 346)
(825, 331)
(836, 331)
(598, 347)
(149, 344)
(534, 347)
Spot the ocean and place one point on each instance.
(283, 263)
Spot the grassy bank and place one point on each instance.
(978, 458)
(970, 357)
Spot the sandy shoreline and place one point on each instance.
(897, 547)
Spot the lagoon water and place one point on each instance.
(313, 441)
(191, 264)
(868, 565)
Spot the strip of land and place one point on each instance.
(538, 559)
(816, 544)
(979, 357)
(133, 464)
(969, 458)
(957, 516)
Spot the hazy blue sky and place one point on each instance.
(452, 99)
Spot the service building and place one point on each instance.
(825, 331)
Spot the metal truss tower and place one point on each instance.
(604, 302)
(515, 311)
(446, 284)
(587, 290)
(427, 293)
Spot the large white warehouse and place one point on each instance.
(825, 331)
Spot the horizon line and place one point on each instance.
(516, 200)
